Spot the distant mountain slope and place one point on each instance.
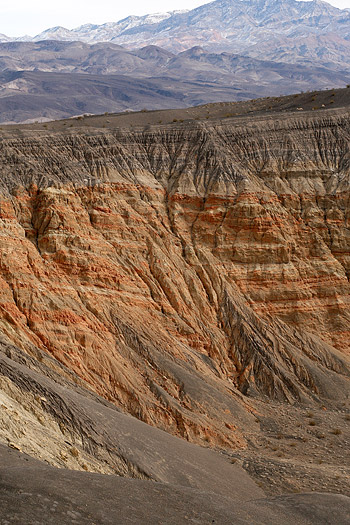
(52, 79)
(282, 30)
(226, 50)
(105, 32)
(34, 95)
(195, 63)
(239, 25)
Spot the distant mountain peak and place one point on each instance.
(195, 51)
(279, 30)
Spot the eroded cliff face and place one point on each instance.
(183, 271)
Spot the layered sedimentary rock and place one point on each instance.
(184, 270)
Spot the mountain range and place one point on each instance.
(282, 30)
(221, 51)
(50, 80)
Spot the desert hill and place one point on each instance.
(53, 80)
(225, 50)
(289, 31)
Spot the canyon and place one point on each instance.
(193, 274)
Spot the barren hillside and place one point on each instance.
(194, 274)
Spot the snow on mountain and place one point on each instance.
(4, 38)
(91, 33)
(281, 30)
(54, 33)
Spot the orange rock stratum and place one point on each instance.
(182, 271)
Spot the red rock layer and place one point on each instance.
(176, 270)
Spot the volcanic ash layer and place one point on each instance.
(184, 271)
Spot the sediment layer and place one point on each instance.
(180, 271)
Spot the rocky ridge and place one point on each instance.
(50, 80)
(298, 32)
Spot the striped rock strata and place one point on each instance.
(182, 271)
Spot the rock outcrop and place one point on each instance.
(185, 270)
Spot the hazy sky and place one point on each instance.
(19, 17)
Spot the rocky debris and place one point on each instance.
(299, 448)
(44, 495)
(67, 426)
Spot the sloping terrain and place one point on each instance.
(78, 430)
(152, 476)
(298, 32)
(51, 80)
(32, 96)
(193, 275)
(265, 108)
(44, 495)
